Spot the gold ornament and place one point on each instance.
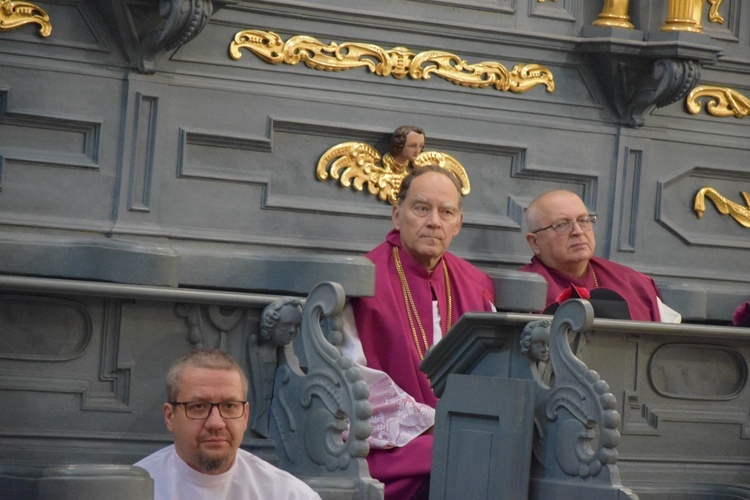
(398, 62)
(16, 14)
(736, 211)
(356, 164)
(411, 307)
(726, 101)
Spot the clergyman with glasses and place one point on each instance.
(207, 412)
(561, 235)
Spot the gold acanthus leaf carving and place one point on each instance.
(358, 164)
(726, 101)
(397, 62)
(16, 14)
(736, 211)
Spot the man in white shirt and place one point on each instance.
(207, 411)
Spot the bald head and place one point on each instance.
(570, 251)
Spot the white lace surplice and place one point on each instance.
(396, 417)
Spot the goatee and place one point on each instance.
(210, 465)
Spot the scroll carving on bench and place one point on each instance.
(318, 396)
(576, 420)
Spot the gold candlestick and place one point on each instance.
(684, 15)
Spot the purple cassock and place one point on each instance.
(394, 342)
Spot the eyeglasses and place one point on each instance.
(201, 410)
(586, 223)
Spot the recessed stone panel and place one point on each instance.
(46, 329)
(696, 371)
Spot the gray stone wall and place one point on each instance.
(209, 159)
(135, 151)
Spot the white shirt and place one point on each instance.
(249, 478)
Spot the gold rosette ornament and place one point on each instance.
(358, 164)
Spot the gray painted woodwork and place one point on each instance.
(655, 410)
(149, 182)
(83, 381)
(483, 444)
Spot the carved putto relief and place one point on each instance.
(358, 164)
(279, 324)
(535, 344)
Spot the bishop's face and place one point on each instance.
(429, 217)
(569, 252)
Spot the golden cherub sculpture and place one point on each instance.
(356, 164)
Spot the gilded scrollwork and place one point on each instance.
(726, 101)
(358, 164)
(398, 62)
(725, 206)
(16, 14)
(713, 12)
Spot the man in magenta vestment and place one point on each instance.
(420, 292)
(561, 235)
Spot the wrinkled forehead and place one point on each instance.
(434, 188)
(200, 381)
(561, 206)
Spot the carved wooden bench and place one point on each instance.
(657, 410)
(82, 380)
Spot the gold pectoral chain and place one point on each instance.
(596, 282)
(411, 308)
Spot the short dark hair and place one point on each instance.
(201, 358)
(404, 188)
(398, 138)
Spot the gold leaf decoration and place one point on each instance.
(713, 12)
(16, 14)
(358, 164)
(736, 211)
(397, 62)
(726, 101)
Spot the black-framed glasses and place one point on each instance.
(586, 223)
(201, 410)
